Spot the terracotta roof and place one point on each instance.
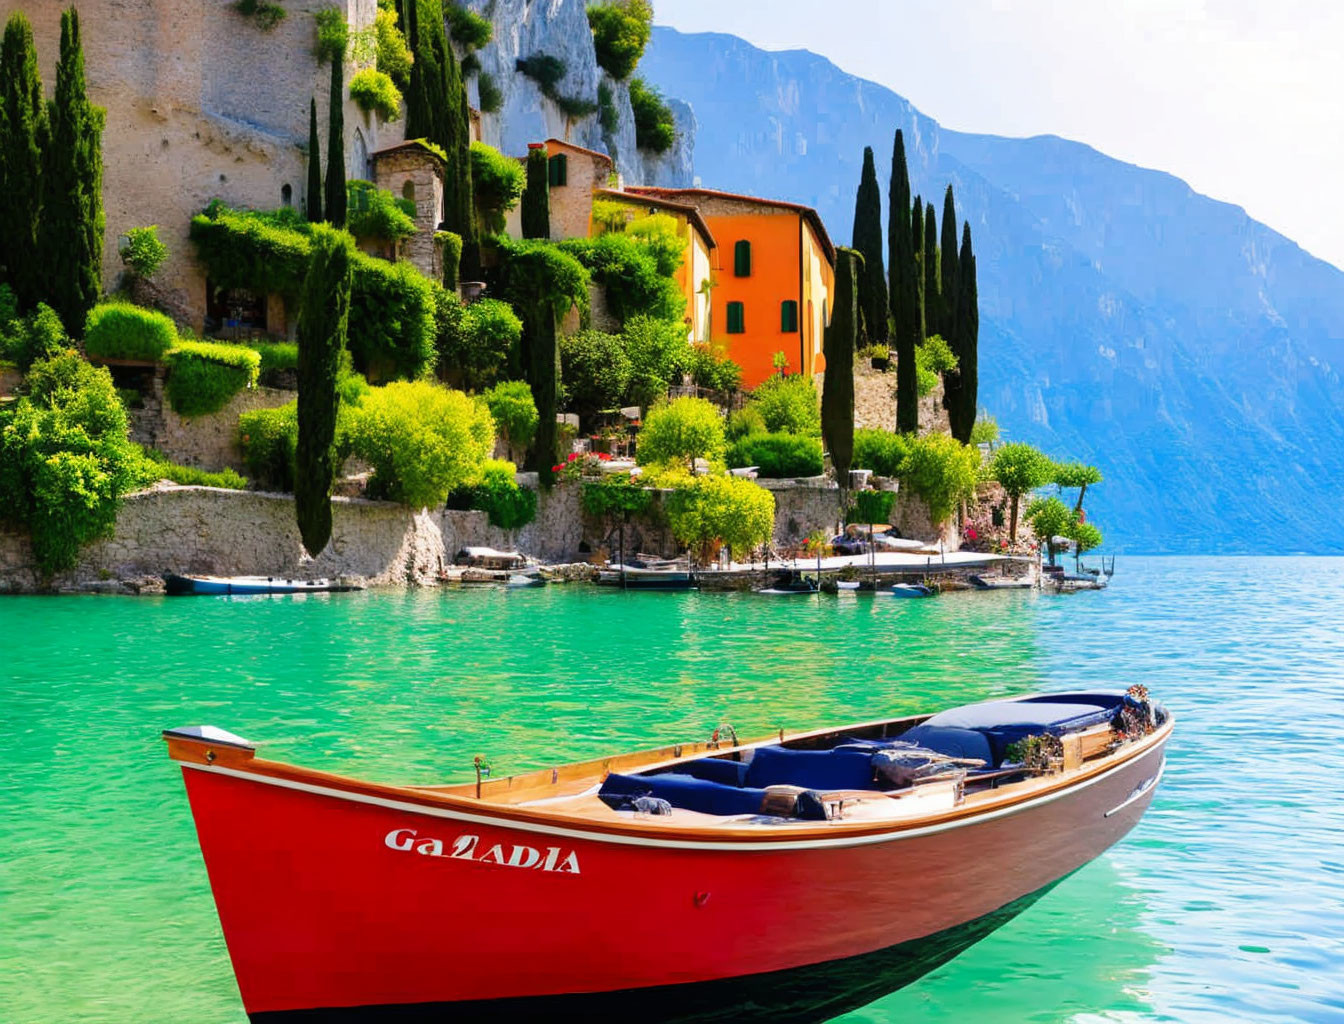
(686, 209)
(809, 214)
(580, 149)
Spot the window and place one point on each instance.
(557, 170)
(286, 195)
(737, 323)
(788, 316)
(742, 259)
(408, 190)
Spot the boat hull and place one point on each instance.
(214, 586)
(341, 905)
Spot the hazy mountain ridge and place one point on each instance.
(1190, 351)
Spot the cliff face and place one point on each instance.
(559, 28)
(1190, 352)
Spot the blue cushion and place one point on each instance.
(821, 770)
(685, 791)
(952, 742)
(1004, 722)
(713, 769)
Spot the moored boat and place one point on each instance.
(988, 582)
(789, 878)
(637, 578)
(177, 585)
(911, 590)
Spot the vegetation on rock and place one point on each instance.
(204, 375)
(376, 93)
(621, 30)
(144, 253)
(655, 127)
(121, 330)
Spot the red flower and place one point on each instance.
(604, 456)
(557, 469)
(572, 456)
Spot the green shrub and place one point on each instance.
(204, 375)
(537, 273)
(477, 342)
(373, 212)
(25, 340)
(621, 30)
(659, 353)
(745, 421)
(789, 405)
(655, 128)
(269, 440)
(276, 356)
(721, 509)
(489, 93)
(120, 330)
(253, 251)
(614, 495)
(157, 466)
(376, 93)
(393, 56)
(985, 431)
(9, 306)
(933, 358)
(885, 453)
(498, 494)
(661, 238)
(595, 371)
(870, 507)
(265, 14)
(515, 414)
(682, 431)
(467, 27)
(392, 323)
(450, 246)
(497, 184)
(144, 253)
(711, 370)
(333, 35)
(65, 460)
(422, 440)
(630, 274)
(778, 456)
(942, 471)
(1050, 518)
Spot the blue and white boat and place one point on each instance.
(911, 590)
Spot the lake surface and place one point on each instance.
(1226, 903)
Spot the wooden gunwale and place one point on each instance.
(204, 753)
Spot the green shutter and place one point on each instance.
(557, 170)
(742, 259)
(788, 316)
(736, 318)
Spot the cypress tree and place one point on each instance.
(70, 234)
(323, 316)
(917, 247)
(872, 281)
(314, 199)
(536, 212)
(334, 200)
(23, 131)
(465, 215)
(933, 297)
(543, 376)
(948, 326)
(838, 344)
(904, 290)
(967, 377)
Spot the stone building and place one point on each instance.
(203, 103)
(414, 172)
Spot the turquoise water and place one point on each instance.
(1227, 903)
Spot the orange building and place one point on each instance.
(772, 275)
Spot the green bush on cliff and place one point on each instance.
(498, 494)
(881, 451)
(269, 440)
(122, 330)
(778, 456)
(621, 30)
(65, 460)
(276, 356)
(204, 375)
(39, 335)
(376, 93)
(789, 405)
(157, 466)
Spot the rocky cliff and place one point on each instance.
(559, 28)
(1189, 351)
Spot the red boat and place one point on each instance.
(786, 879)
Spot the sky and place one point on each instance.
(1244, 99)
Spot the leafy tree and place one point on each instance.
(947, 325)
(334, 198)
(629, 272)
(324, 314)
(23, 133)
(964, 384)
(1076, 474)
(839, 342)
(985, 431)
(476, 343)
(373, 212)
(789, 405)
(39, 335)
(313, 200)
(514, 412)
(70, 234)
(868, 241)
(1019, 468)
(1050, 518)
(621, 30)
(422, 440)
(941, 471)
(933, 297)
(537, 196)
(144, 253)
(658, 353)
(595, 370)
(682, 431)
(1086, 537)
(904, 290)
(722, 509)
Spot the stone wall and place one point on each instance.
(422, 171)
(209, 442)
(875, 401)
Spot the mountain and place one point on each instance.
(1190, 352)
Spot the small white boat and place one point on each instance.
(635, 578)
(1002, 582)
(520, 580)
(910, 590)
(219, 585)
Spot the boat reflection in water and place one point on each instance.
(791, 878)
